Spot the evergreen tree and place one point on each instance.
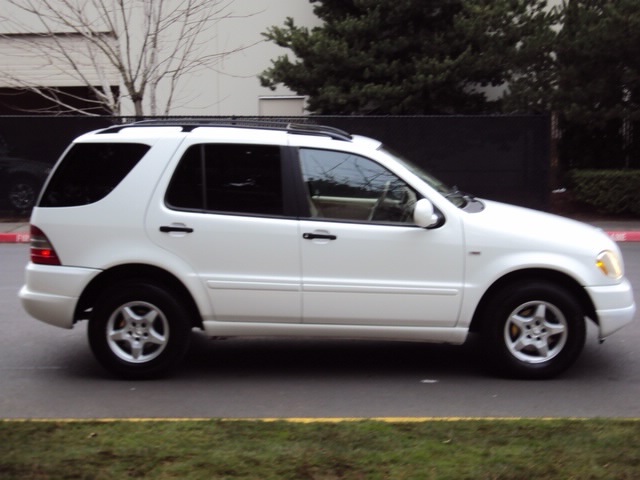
(599, 61)
(598, 83)
(408, 56)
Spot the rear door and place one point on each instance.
(224, 212)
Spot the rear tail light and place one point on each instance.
(42, 252)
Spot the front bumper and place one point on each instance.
(614, 306)
(50, 293)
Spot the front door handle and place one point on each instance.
(175, 228)
(323, 236)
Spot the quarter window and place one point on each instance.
(89, 172)
(228, 178)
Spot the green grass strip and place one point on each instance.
(321, 450)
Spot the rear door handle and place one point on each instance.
(175, 228)
(323, 236)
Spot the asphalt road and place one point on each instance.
(47, 372)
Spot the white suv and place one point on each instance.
(148, 230)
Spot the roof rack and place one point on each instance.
(189, 125)
(313, 129)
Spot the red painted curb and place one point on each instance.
(624, 236)
(617, 236)
(21, 237)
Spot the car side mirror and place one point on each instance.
(424, 214)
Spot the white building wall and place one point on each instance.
(234, 89)
(22, 58)
(230, 88)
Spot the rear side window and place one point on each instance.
(231, 178)
(89, 171)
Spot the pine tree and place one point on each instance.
(407, 56)
(599, 61)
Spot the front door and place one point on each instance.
(364, 262)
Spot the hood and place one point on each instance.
(534, 229)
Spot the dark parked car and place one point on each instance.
(20, 182)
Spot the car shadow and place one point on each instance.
(264, 358)
(270, 357)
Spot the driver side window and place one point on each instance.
(344, 186)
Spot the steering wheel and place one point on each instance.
(380, 200)
(407, 205)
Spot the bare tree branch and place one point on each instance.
(142, 47)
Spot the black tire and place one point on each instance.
(533, 330)
(139, 331)
(22, 193)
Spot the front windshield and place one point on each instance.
(452, 194)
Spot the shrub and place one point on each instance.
(610, 191)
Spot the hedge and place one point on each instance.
(609, 191)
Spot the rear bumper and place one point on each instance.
(50, 293)
(614, 306)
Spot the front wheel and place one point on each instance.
(533, 330)
(138, 330)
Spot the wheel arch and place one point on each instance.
(143, 273)
(545, 275)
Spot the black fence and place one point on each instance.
(505, 158)
(614, 144)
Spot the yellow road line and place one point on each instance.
(309, 419)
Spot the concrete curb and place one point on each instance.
(617, 236)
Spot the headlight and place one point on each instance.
(609, 264)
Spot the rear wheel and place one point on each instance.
(533, 330)
(139, 330)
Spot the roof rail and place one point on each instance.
(189, 124)
(313, 129)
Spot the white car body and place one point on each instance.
(263, 275)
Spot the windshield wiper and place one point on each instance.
(468, 202)
(456, 192)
